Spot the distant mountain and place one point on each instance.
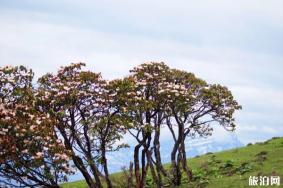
(194, 147)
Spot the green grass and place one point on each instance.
(231, 168)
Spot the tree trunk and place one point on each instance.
(77, 160)
(156, 147)
(175, 164)
(152, 169)
(105, 166)
(130, 178)
(95, 173)
(185, 166)
(79, 164)
(145, 165)
(137, 166)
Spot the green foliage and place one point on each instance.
(244, 168)
(149, 181)
(261, 157)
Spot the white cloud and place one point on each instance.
(112, 37)
(258, 132)
(261, 97)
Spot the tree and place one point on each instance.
(154, 96)
(80, 103)
(192, 106)
(30, 155)
(139, 99)
(76, 115)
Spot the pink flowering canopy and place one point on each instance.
(29, 152)
(74, 116)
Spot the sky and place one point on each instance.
(238, 44)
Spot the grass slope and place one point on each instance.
(230, 168)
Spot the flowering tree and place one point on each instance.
(139, 99)
(30, 155)
(192, 106)
(154, 96)
(76, 115)
(81, 105)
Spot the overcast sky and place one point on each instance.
(235, 43)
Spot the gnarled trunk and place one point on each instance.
(137, 166)
(176, 171)
(105, 166)
(185, 166)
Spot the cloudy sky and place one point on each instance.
(235, 43)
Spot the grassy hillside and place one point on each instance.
(230, 168)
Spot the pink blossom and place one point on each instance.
(39, 154)
(25, 151)
(32, 127)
